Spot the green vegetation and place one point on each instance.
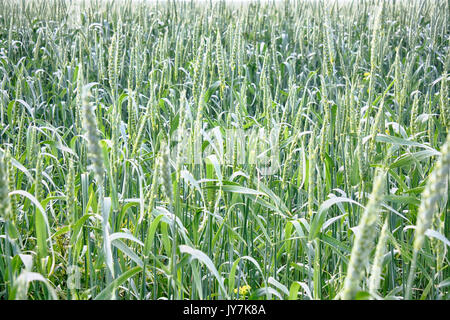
(182, 150)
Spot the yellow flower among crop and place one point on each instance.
(366, 75)
(244, 290)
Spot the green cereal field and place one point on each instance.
(255, 150)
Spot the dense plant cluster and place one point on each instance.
(215, 150)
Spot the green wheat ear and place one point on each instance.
(5, 205)
(435, 190)
(166, 172)
(364, 237)
(90, 126)
(70, 192)
(375, 273)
